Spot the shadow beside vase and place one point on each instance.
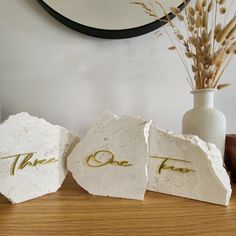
(230, 155)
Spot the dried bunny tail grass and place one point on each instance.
(208, 50)
(147, 9)
(210, 6)
(222, 86)
(191, 11)
(172, 48)
(199, 22)
(205, 38)
(189, 54)
(217, 58)
(228, 51)
(180, 17)
(204, 3)
(217, 30)
(232, 33)
(180, 36)
(192, 40)
(190, 28)
(194, 69)
(223, 10)
(175, 11)
(232, 48)
(198, 6)
(221, 70)
(224, 43)
(221, 2)
(208, 44)
(226, 30)
(205, 20)
(191, 20)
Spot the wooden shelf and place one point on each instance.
(72, 211)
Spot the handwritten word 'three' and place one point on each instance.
(20, 164)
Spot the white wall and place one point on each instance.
(68, 78)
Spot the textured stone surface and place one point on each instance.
(188, 167)
(112, 159)
(32, 157)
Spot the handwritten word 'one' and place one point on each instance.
(103, 158)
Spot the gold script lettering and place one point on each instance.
(164, 165)
(106, 158)
(20, 165)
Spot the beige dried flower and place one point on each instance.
(172, 48)
(198, 5)
(175, 10)
(209, 41)
(205, 20)
(180, 36)
(190, 28)
(210, 6)
(222, 10)
(191, 20)
(217, 30)
(189, 54)
(191, 11)
(225, 31)
(221, 2)
(205, 38)
(199, 22)
(222, 86)
(180, 17)
(232, 33)
(204, 3)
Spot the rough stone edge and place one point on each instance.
(111, 117)
(146, 130)
(67, 152)
(215, 162)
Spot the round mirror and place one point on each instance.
(108, 18)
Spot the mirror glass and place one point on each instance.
(109, 16)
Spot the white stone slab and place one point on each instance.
(32, 157)
(186, 166)
(112, 159)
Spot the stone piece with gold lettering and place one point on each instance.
(186, 166)
(112, 159)
(32, 157)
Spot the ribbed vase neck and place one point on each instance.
(203, 98)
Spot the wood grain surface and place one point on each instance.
(72, 211)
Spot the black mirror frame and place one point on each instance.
(107, 34)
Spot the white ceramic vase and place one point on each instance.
(204, 120)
